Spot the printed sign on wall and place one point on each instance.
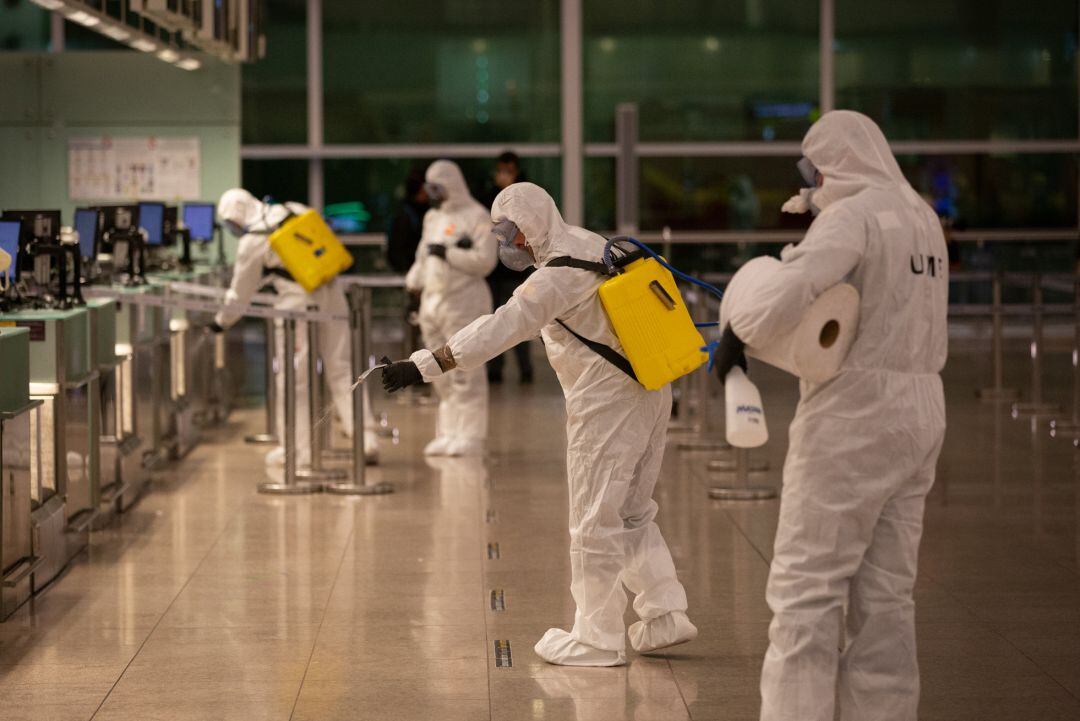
(133, 168)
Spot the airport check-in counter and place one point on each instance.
(122, 473)
(62, 377)
(21, 487)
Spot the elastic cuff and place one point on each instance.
(425, 361)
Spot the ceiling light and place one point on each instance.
(49, 4)
(169, 55)
(188, 64)
(84, 18)
(144, 45)
(114, 31)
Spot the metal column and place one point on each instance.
(359, 323)
(270, 436)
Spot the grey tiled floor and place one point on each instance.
(209, 601)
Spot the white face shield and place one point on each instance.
(512, 256)
(436, 194)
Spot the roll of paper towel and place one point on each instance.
(821, 341)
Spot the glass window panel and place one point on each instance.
(24, 27)
(77, 37)
(275, 88)
(960, 68)
(718, 193)
(998, 191)
(380, 183)
(441, 71)
(702, 71)
(600, 194)
(282, 180)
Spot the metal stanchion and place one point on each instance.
(289, 484)
(742, 490)
(316, 472)
(710, 441)
(1071, 426)
(998, 392)
(359, 322)
(1036, 407)
(325, 396)
(270, 436)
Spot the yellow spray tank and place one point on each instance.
(652, 323)
(309, 250)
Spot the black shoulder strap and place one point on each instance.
(608, 353)
(566, 261)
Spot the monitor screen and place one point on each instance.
(9, 241)
(199, 219)
(42, 225)
(152, 220)
(120, 217)
(86, 223)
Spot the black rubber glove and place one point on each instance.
(729, 354)
(438, 250)
(213, 327)
(400, 374)
(465, 243)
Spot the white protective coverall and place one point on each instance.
(864, 444)
(253, 255)
(616, 433)
(453, 294)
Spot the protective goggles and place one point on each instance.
(808, 172)
(505, 231)
(435, 192)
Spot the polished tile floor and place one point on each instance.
(209, 601)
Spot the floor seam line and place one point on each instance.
(164, 613)
(989, 626)
(326, 610)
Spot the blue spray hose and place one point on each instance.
(649, 251)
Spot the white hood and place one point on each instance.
(241, 207)
(447, 174)
(535, 214)
(852, 154)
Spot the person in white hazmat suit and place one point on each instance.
(864, 444)
(616, 433)
(455, 255)
(256, 266)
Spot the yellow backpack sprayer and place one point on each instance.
(309, 250)
(647, 313)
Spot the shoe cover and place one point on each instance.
(668, 630)
(437, 447)
(276, 458)
(371, 448)
(559, 648)
(465, 447)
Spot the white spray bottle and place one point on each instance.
(746, 426)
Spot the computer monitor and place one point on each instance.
(37, 225)
(88, 224)
(199, 220)
(152, 220)
(10, 230)
(168, 233)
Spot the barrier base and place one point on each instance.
(296, 489)
(261, 439)
(744, 493)
(727, 465)
(352, 489)
(703, 445)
